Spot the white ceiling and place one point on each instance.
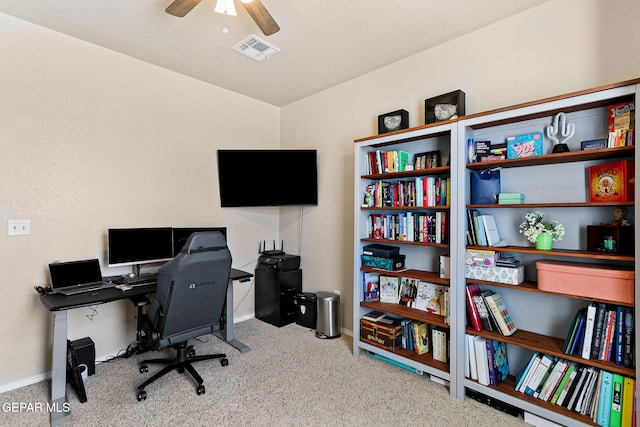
(322, 42)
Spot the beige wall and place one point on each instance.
(558, 47)
(76, 118)
(93, 139)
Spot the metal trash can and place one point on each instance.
(328, 318)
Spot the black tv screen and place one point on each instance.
(267, 177)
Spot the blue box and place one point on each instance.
(529, 145)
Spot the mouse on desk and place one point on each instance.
(123, 287)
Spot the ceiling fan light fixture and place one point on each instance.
(225, 7)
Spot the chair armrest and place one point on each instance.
(139, 300)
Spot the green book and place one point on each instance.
(615, 419)
(563, 382)
(403, 159)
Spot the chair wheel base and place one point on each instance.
(142, 395)
(224, 361)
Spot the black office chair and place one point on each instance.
(189, 303)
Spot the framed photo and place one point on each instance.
(593, 144)
(427, 160)
(393, 121)
(444, 107)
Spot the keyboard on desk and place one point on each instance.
(143, 279)
(84, 288)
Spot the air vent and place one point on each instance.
(255, 48)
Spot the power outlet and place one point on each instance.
(19, 227)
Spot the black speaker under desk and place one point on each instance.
(278, 280)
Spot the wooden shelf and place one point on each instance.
(405, 208)
(426, 276)
(407, 312)
(550, 159)
(550, 205)
(405, 242)
(425, 359)
(551, 346)
(530, 286)
(508, 387)
(570, 253)
(441, 170)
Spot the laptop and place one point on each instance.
(76, 277)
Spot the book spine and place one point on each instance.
(588, 332)
(531, 370)
(501, 314)
(620, 332)
(616, 401)
(493, 373)
(545, 363)
(598, 326)
(472, 290)
(604, 401)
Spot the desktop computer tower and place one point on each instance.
(277, 282)
(85, 353)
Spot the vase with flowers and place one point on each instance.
(542, 233)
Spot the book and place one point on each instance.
(615, 419)
(604, 401)
(430, 297)
(553, 380)
(629, 338)
(493, 373)
(374, 315)
(501, 314)
(571, 333)
(473, 364)
(389, 288)
(408, 292)
(483, 312)
(587, 388)
(470, 292)
(371, 286)
(421, 330)
(578, 337)
(541, 370)
(563, 382)
(588, 332)
(577, 390)
(526, 373)
(545, 377)
(490, 230)
(480, 346)
(628, 400)
(618, 347)
(569, 386)
(499, 362)
(440, 337)
(607, 334)
(611, 182)
(601, 310)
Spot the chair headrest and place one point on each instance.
(204, 241)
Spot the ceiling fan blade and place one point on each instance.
(180, 8)
(262, 17)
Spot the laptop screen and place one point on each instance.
(64, 274)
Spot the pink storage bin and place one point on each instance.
(590, 280)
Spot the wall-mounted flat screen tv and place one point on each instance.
(267, 177)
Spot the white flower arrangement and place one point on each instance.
(533, 225)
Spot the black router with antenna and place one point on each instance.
(273, 252)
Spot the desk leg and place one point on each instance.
(60, 411)
(227, 334)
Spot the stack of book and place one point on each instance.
(602, 332)
(422, 338)
(415, 192)
(409, 227)
(487, 311)
(608, 398)
(486, 360)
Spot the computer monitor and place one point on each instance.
(134, 246)
(181, 235)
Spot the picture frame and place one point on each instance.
(427, 160)
(593, 144)
(391, 122)
(439, 108)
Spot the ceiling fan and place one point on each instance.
(255, 8)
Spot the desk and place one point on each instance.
(59, 304)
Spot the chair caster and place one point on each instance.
(144, 369)
(200, 390)
(224, 361)
(192, 353)
(142, 395)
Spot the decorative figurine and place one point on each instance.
(560, 127)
